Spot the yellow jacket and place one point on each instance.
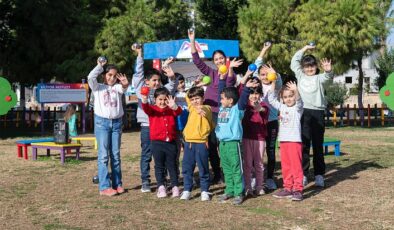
(198, 127)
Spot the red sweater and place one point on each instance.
(254, 123)
(161, 122)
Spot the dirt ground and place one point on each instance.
(43, 194)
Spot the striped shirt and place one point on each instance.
(289, 119)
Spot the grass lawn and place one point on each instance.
(46, 195)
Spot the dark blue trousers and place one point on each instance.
(195, 153)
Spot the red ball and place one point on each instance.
(8, 98)
(387, 93)
(145, 91)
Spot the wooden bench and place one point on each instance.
(25, 143)
(52, 145)
(332, 142)
(79, 139)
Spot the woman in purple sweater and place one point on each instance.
(212, 96)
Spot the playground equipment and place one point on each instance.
(386, 93)
(7, 96)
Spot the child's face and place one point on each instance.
(154, 82)
(310, 70)
(161, 101)
(219, 60)
(263, 77)
(110, 77)
(254, 97)
(196, 101)
(181, 86)
(226, 102)
(288, 98)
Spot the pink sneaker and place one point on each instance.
(175, 191)
(108, 192)
(120, 190)
(161, 192)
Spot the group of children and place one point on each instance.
(216, 119)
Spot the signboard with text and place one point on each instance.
(62, 93)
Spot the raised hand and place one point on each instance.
(252, 84)
(191, 35)
(137, 49)
(171, 102)
(123, 80)
(268, 68)
(101, 62)
(168, 61)
(236, 63)
(168, 71)
(326, 64)
(291, 85)
(200, 111)
(257, 106)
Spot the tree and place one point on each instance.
(385, 66)
(217, 19)
(336, 93)
(265, 20)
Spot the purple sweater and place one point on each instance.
(212, 94)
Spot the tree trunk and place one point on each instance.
(360, 90)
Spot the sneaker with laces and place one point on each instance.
(283, 194)
(175, 191)
(271, 184)
(145, 188)
(161, 192)
(297, 196)
(224, 197)
(319, 181)
(238, 200)
(305, 181)
(186, 195)
(120, 190)
(108, 192)
(205, 196)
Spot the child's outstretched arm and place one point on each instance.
(296, 60)
(292, 86)
(177, 110)
(244, 97)
(172, 81)
(234, 64)
(138, 76)
(146, 107)
(273, 96)
(260, 59)
(92, 77)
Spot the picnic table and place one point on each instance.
(52, 145)
(25, 143)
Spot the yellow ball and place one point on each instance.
(271, 76)
(223, 69)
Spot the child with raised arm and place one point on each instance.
(273, 125)
(254, 126)
(152, 80)
(162, 126)
(310, 86)
(196, 133)
(212, 96)
(108, 113)
(229, 132)
(289, 139)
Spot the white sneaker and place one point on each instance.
(205, 196)
(185, 195)
(271, 184)
(145, 188)
(253, 183)
(305, 181)
(319, 181)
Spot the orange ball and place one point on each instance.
(223, 69)
(271, 76)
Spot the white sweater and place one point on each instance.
(289, 119)
(107, 99)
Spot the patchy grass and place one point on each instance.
(44, 194)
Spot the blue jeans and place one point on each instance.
(108, 134)
(195, 153)
(146, 155)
